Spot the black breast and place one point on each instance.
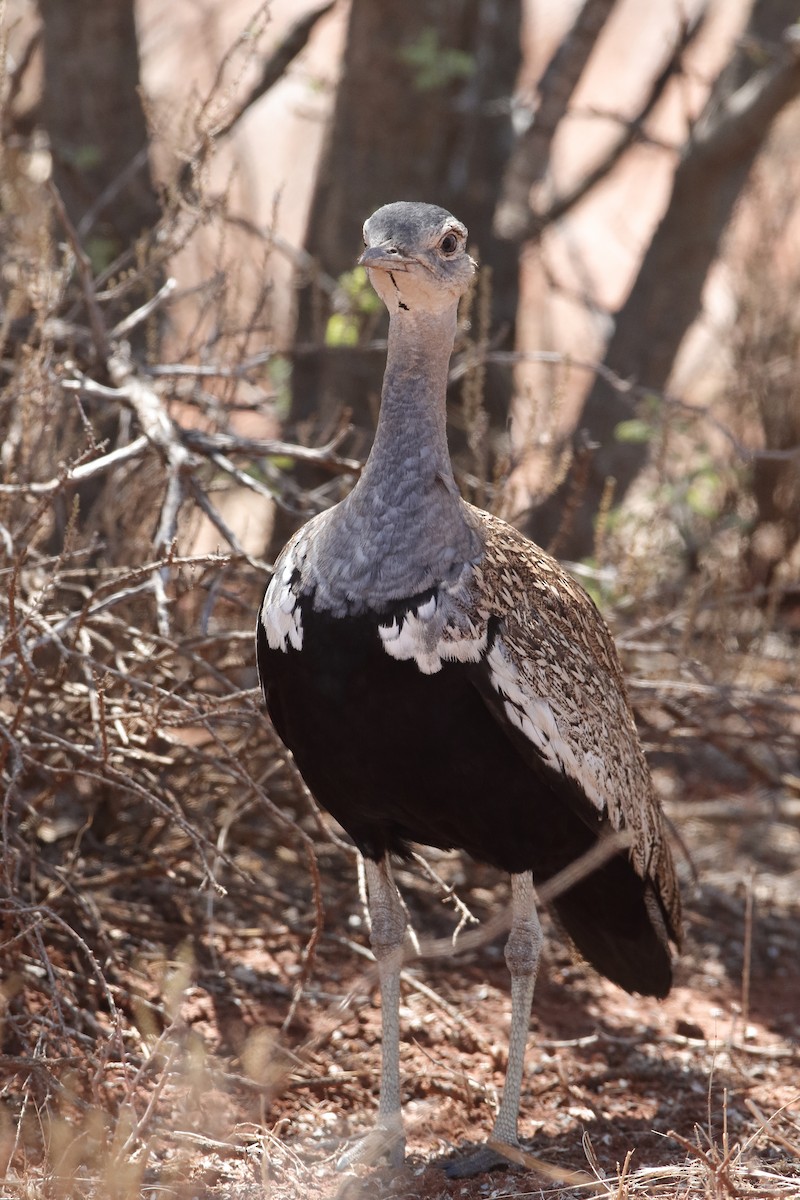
(399, 757)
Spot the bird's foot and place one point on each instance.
(386, 1140)
(488, 1157)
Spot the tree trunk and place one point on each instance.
(666, 295)
(98, 136)
(514, 218)
(422, 113)
(95, 122)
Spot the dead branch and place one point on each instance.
(527, 163)
(139, 315)
(632, 389)
(273, 69)
(83, 471)
(276, 66)
(516, 220)
(85, 274)
(736, 126)
(322, 456)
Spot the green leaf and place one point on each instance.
(279, 373)
(435, 66)
(634, 430)
(702, 495)
(101, 251)
(341, 330)
(359, 291)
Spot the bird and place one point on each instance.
(441, 681)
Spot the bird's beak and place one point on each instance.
(382, 258)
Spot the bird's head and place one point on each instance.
(416, 257)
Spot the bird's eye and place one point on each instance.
(448, 244)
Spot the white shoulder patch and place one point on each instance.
(437, 631)
(546, 726)
(280, 611)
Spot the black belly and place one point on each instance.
(399, 757)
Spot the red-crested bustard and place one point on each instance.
(441, 680)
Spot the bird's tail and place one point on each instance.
(616, 922)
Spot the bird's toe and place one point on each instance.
(476, 1161)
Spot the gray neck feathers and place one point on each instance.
(404, 526)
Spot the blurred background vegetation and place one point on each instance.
(190, 366)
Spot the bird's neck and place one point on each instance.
(409, 457)
(404, 528)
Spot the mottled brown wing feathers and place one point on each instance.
(556, 667)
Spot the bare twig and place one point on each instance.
(546, 892)
(515, 218)
(636, 391)
(321, 456)
(81, 472)
(277, 64)
(123, 327)
(529, 158)
(108, 195)
(273, 69)
(16, 75)
(632, 133)
(96, 322)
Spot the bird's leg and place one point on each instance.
(388, 927)
(388, 920)
(522, 956)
